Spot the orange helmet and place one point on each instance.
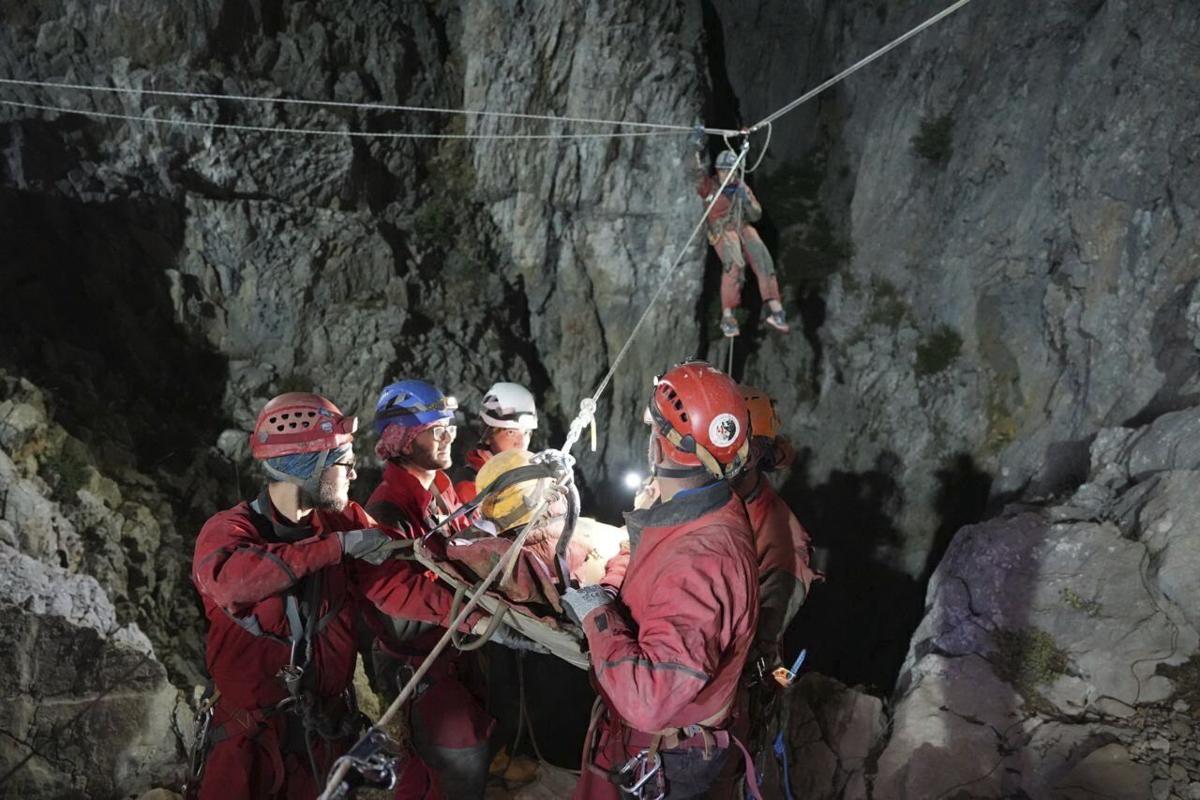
(763, 420)
(299, 422)
(700, 418)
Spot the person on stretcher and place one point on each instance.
(505, 512)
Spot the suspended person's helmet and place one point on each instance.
(512, 505)
(726, 159)
(760, 406)
(700, 419)
(509, 405)
(298, 434)
(412, 403)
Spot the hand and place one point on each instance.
(696, 139)
(368, 544)
(579, 603)
(648, 495)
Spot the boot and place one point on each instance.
(729, 326)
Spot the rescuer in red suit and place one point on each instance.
(281, 579)
(450, 728)
(668, 649)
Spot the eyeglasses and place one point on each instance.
(349, 464)
(444, 433)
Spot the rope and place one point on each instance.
(406, 691)
(243, 98)
(762, 155)
(587, 406)
(191, 123)
(887, 48)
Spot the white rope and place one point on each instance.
(230, 126)
(761, 155)
(804, 98)
(406, 691)
(243, 98)
(587, 406)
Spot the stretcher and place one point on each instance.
(528, 595)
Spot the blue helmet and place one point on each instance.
(411, 403)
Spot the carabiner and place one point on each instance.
(643, 768)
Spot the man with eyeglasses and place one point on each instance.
(450, 729)
(281, 579)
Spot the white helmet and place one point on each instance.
(509, 405)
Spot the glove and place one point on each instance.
(696, 139)
(579, 603)
(508, 636)
(368, 544)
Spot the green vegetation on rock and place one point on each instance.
(934, 141)
(1028, 658)
(937, 351)
(1072, 599)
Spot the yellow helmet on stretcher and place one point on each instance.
(513, 505)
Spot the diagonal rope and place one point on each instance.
(298, 101)
(231, 126)
(509, 557)
(587, 406)
(887, 48)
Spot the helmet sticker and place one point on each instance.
(723, 430)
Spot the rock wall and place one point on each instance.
(1060, 652)
(991, 235)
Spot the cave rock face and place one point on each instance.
(89, 711)
(1059, 652)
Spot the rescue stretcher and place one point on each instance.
(528, 595)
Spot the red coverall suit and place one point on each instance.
(671, 652)
(783, 547)
(245, 565)
(784, 578)
(464, 487)
(450, 727)
(737, 246)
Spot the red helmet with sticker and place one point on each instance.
(299, 422)
(700, 418)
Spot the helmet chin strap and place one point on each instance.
(660, 471)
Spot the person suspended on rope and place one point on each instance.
(670, 627)
(785, 576)
(280, 579)
(415, 422)
(734, 239)
(507, 420)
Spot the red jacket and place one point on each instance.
(244, 565)
(721, 214)
(782, 546)
(401, 503)
(465, 487)
(671, 652)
